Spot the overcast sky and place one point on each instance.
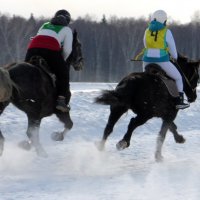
(179, 10)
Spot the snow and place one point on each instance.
(76, 170)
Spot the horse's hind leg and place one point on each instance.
(177, 137)
(68, 124)
(33, 135)
(133, 124)
(115, 113)
(160, 139)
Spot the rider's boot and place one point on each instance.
(61, 104)
(180, 102)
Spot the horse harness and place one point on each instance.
(40, 62)
(169, 82)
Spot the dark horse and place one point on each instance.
(147, 96)
(31, 89)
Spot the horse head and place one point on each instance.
(190, 74)
(75, 58)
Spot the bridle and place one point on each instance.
(75, 59)
(188, 81)
(78, 62)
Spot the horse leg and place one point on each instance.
(1, 143)
(68, 124)
(160, 139)
(2, 107)
(33, 135)
(133, 124)
(177, 137)
(115, 113)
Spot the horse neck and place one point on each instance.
(188, 89)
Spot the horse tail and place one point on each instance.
(6, 85)
(108, 97)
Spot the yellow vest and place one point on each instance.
(156, 41)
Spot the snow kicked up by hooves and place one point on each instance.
(76, 170)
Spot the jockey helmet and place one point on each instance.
(65, 14)
(160, 16)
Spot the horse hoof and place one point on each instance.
(100, 145)
(56, 136)
(180, 139)
(121, 145)
(159, 157)
(41, 153)
(1, 147)
(26, 145)
(1, 151)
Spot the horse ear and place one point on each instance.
(75, 33)
(194, 63)
(198, 62)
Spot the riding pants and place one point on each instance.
(57, 65)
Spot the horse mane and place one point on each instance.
(182, 57)
(8, 66)
(5, 86)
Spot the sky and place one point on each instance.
(181, 11)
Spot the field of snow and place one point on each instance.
(76, 170)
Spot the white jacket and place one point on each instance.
(64, 38)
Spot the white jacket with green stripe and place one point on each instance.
(63, 35)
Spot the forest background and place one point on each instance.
(108, 45)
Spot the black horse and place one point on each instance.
(31, 89)
(147, 96)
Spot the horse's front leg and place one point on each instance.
(160, 139)
(115, 113)
(177, 137)
(1, 143)
(3, 105)
(33, 135)
(68, 124)
(133, 124)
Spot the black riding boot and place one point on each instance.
(180, 102)
(61, 104)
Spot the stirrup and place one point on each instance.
(63, 108)
(182, 106)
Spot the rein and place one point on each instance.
(179, 68)
(185, 78)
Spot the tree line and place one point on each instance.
(107, 45)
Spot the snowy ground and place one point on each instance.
(76, 170)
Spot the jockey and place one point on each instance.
(53, 42)
(159, 46)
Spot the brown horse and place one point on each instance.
(31, 89)
(147, 96)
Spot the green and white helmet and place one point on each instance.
(160, 16)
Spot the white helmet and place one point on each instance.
(160, 16)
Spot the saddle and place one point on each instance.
(168, 81)
(41, 63)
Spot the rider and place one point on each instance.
(53, 42)
(159, 46)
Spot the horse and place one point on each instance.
(31, 88)
(147, 96)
